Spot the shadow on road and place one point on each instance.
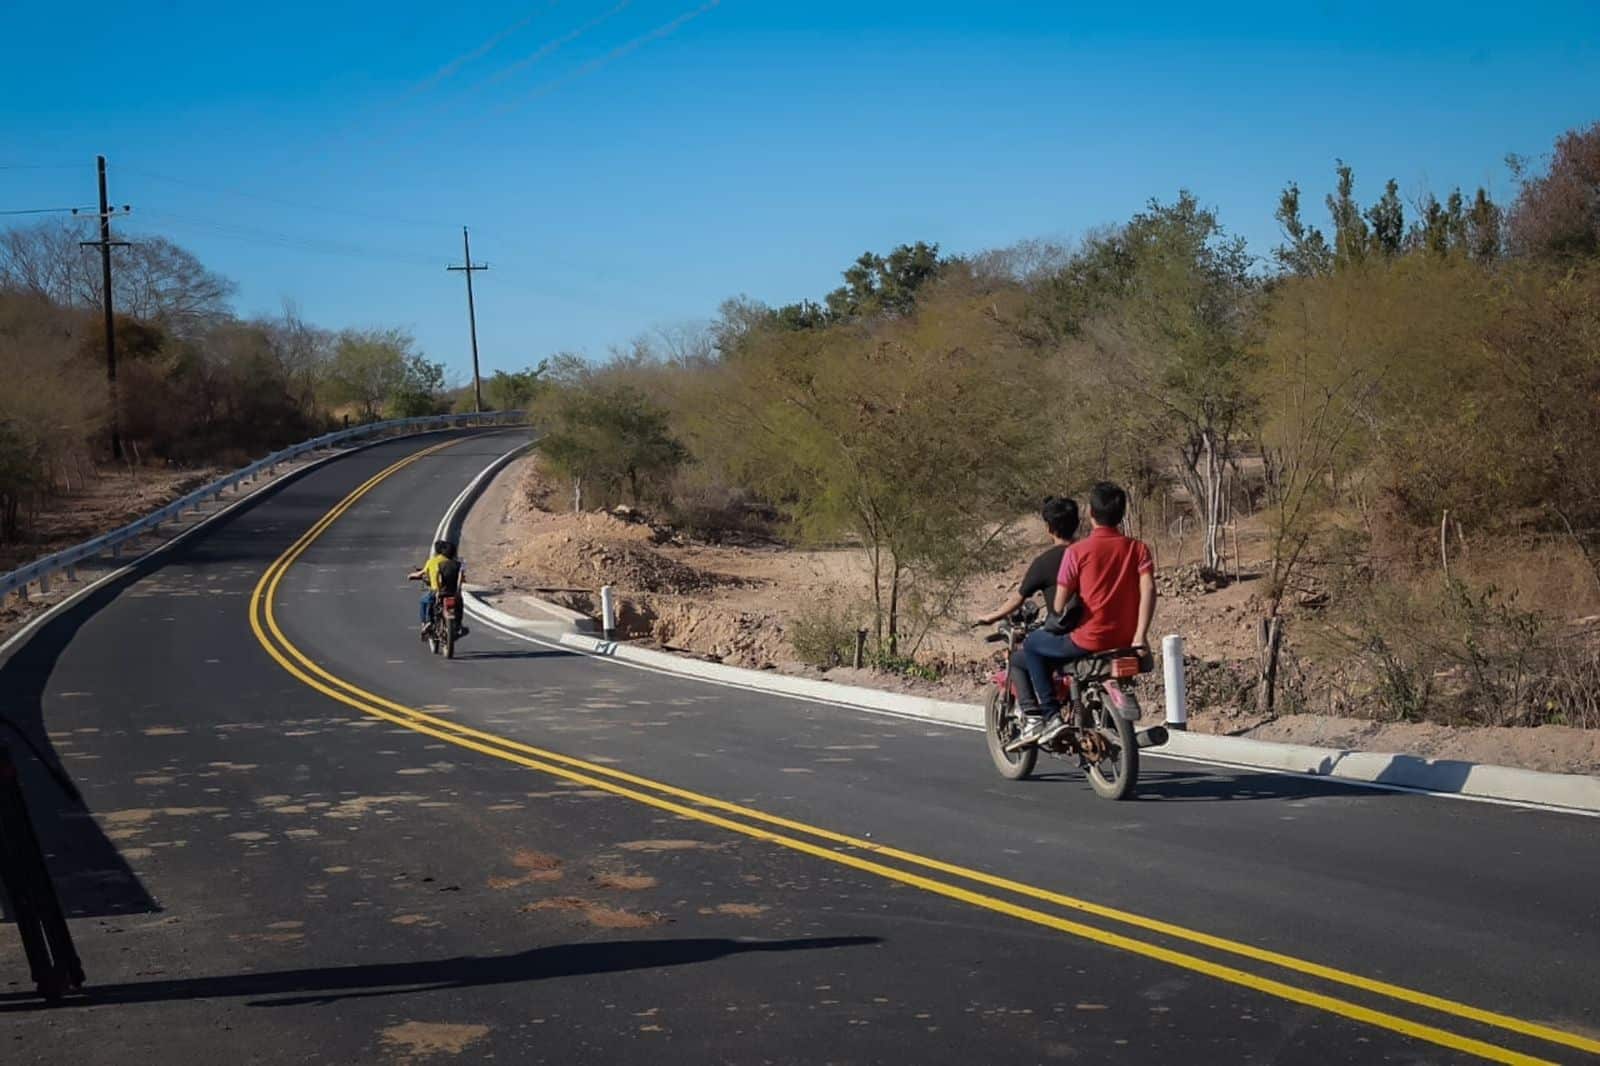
(475, 656)
(1191, 786)
(290, 988)
(91, 876)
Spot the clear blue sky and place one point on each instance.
(617, 180)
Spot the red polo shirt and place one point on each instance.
(1103, 569)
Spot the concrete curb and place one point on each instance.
(931, 710)
(561, 619)
(1480, 782)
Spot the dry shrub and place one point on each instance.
(823, 633)
(1458, 654)
(708, 507)
(53, 403)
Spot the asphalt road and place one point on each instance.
(443, 863)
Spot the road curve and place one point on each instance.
(308, 840)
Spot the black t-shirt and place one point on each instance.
(1041, 575)
(1041, 578)
(450, 578)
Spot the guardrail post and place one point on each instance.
(1172, 673)
(72, 573)
(44, 584)
(608, 612)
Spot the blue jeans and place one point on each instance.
(427, 606)
(1042, 653)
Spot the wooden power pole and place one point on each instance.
(469, 268)
(105, 244)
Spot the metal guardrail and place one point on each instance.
(40, 571)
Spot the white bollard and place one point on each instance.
(608, 613)
(1172, 671)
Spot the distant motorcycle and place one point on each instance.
(444, 625)
(1098, 704)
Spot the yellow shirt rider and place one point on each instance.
(442, 573)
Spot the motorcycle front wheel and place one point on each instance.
(1001, 729)
(1116, 774)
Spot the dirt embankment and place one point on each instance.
(738, 605)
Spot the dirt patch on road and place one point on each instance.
(536, 867)
(669, 845)
(418, 1040)
(600, 915)
(623, 881)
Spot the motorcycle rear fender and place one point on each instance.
(1122, 701)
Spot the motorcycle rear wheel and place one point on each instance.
(1115, 776)
(449, 639)
(1000, 730)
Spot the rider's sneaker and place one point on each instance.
(1054, 725)
(424, 634)
(1033, 728)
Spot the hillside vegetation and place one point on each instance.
(1401, 407)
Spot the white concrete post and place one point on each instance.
(1172, 671)
(608, 613)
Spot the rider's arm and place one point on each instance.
(1013, 601)
(1147, 595)
(1147, 609)
(1066, 582)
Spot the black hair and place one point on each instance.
(1060, 514)
(444, 548)
(1108, 503)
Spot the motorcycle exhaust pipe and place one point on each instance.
(1153, 737)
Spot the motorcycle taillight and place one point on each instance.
(1127, 666)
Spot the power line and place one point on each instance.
(48, 211)
(538, 55)
(551, 47)
(664, 30)
(449, 69)
(273, 238)
(281, 202)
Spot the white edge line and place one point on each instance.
(911, 717)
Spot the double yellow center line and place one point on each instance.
(954, 882)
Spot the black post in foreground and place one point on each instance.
(472, 317)
(26, 882)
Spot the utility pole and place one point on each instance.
(472, 315)
(105, 244)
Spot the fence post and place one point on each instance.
(44, 584)
(1172, 673)
(608, 613)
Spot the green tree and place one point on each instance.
(876, 284)
(516, 390)
(1387, 218)
(419, 389)
(1305, 251)
(1351, 238)
(368, 367)
(608, 437)
(1182, 338)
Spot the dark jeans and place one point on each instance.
(1042, 653)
